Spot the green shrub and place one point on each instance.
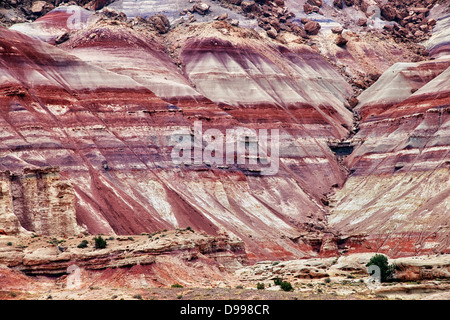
(177, 285)
(260, 286)
(100, 243)
(386, 270)
(286, 286)
(83, 244)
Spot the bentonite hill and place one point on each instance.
(341, 109)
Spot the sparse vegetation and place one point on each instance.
(277, 281)
(100, 243)
(83, 244)
(177, 285)
(260, 286)
(284, 285)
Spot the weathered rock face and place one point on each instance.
(398, 193)
(439, 44)
(104, 104)
(161, 259)
(39, 202)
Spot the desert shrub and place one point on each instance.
(83, 244)
(260, 286)
(177, 285)
(100, 243)
(286, 286)
(386, 270)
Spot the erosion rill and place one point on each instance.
(94, 101)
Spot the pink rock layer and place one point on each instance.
(108, 134)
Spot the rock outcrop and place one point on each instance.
(36, 200)
(102, 99)
(401, 170)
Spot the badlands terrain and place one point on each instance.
(92, 94)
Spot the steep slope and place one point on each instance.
(109, 135)
(398, 195)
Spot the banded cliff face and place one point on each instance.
(91, 111)
(398, 195)
(37, 200)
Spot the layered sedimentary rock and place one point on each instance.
(161, 259)
(397, 197)
(101, 123)
(106, 104)
(57, 23)
(439, 44)
(38, 201)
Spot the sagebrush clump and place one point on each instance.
(386, 270)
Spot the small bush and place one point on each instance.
(327, 280)
(177, 285)
(100, 243)
(83, 244)
(260, 286)
(9, 244)
(286, 286)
